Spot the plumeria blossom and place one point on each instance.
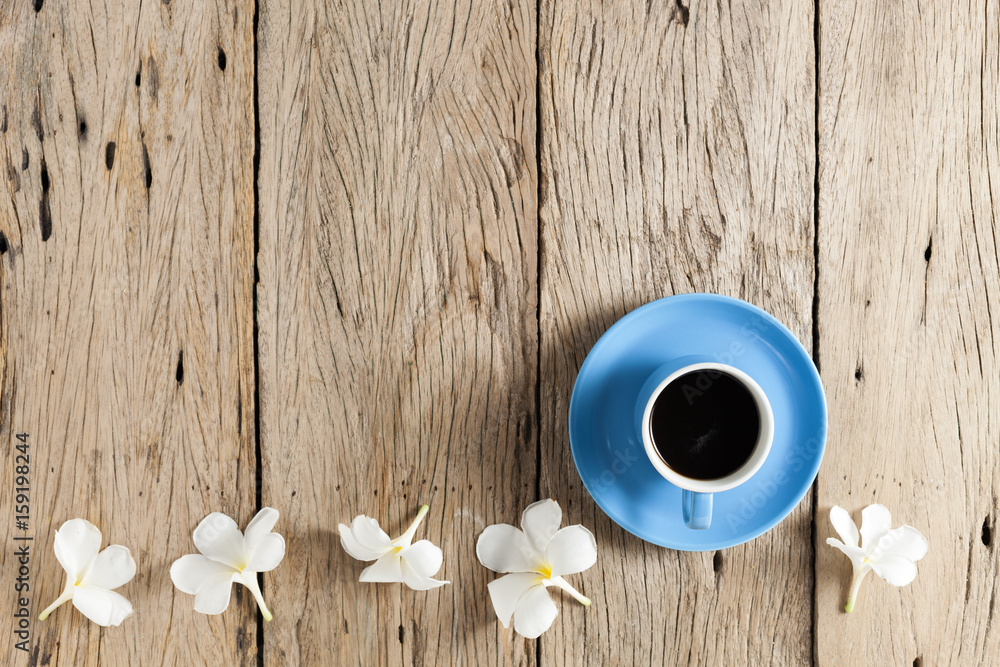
(228, 556)
(91, 574)
(891, 553)
(537, 557)
(395, 560)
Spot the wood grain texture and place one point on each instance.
(676, 156)
(433, 270)
(909, 187)
(126, 209)
(397, 313)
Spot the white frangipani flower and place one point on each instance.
(891, 553)
(228, 556)
(395, 560)
(91, 577)
(538, 556)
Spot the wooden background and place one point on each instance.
(347, 256)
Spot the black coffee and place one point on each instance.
(705, 424)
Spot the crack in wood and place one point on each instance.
(44, 208)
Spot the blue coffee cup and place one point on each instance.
(696, 500)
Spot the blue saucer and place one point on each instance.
(608, 451)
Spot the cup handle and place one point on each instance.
(697, 509)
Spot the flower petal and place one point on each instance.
(844, 525)
(875, 522)
(424, 557)
(856, 554)
(507, 590)
(504, 548)
(190, 572)
(219, 538)
(76, 544)
(534, 613)
(357, 550)
(572, 549)
(259, 526)
(386, 569)
(111, 568)
(213, 594)
(540, 521)
(418, 582)
(265, 555)
(897, 570)
(102, 606)
(905, 541)
(370, 535)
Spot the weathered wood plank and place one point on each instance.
(909, 280)
(677, 155)
(126, 208)
(397, 312)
